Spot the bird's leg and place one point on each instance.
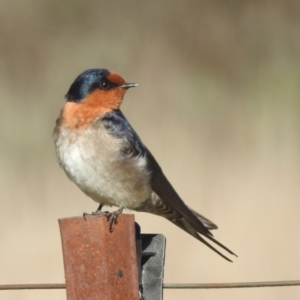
(112, 217)
(99, 207)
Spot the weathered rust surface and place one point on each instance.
(100, 264)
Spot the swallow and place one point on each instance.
(102, 154)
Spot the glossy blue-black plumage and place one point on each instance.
(117, 125)
(87, 82)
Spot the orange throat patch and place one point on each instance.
(79, 115)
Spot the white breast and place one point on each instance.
(93, 160)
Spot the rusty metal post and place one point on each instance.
(100, 264)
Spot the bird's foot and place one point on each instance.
(112, 217)
(97, 212)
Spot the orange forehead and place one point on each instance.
(115, 78)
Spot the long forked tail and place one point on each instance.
(188, 220)
(187, 226)
(165, 202)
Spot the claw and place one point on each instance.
(97, 212)
(112, 217)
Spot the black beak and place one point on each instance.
(128, 85)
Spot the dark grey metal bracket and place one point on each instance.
(151, 261)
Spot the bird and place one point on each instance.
(102, 154)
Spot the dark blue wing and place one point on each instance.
(117, 125)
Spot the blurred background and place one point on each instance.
(217, 104)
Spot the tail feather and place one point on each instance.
(200, 229)
(207, 223)
(221, 245)
(189, 228)
(165, 202)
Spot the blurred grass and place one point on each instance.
(218, 105)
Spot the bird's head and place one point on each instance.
(93, 93)
(100, 87)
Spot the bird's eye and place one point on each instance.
(104, 84)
